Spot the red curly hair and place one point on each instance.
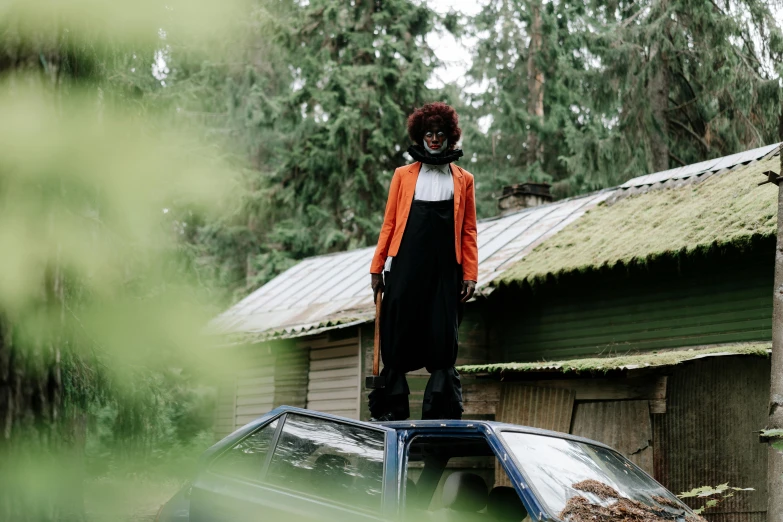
(439, 114)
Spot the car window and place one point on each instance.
(560, 470)
(246, 459)
(337, 461)
(481, 489)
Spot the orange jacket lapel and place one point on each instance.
(457, 189)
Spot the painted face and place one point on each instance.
(435, 138)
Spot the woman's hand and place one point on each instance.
(376, 282)
(468, 288)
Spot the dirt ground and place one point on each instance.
(127, 499)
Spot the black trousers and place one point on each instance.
(421, 315)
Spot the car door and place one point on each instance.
(301, 465)
(432, 454)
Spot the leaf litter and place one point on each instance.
(580, 509)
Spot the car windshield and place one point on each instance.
(575, 480)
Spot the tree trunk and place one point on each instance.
(658, 87)
(535, 85)
(775, 457)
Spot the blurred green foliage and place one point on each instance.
(159, 159)
(105, 364)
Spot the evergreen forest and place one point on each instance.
(160, 160)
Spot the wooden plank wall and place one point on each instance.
(255, 389)
(622, 310)
(263, 376)
(539, 407)
(291, 366)
(334, 372)
(225, 422)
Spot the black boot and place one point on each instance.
(386, 417)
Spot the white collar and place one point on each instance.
(443, 169)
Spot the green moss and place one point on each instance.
(628, 361)
(726, 209)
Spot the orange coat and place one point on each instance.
(398, 206)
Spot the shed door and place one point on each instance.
(334, 383)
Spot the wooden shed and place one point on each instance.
(310, 328)
(638, 315)
(646, 325)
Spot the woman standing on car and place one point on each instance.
(426, 265)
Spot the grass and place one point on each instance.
(127, 498)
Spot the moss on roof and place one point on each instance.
(628, 361)
(726, 208)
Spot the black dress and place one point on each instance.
(421, 314)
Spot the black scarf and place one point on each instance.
(419, 153)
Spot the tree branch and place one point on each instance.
(692, 133)
(675, 158)
(682, 105)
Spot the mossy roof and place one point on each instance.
(726, 208)
(622, 362)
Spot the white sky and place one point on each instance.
(454, 54)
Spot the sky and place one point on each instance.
(454, 54)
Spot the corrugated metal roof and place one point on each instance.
(697, 169)
(323, 292)
(633, 361)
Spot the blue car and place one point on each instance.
(294, 464)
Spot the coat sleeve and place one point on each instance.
(469, 234)
(387, 230)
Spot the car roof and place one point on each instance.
(493, 425)
(447, 424)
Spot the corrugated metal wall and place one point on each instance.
(334, 384)
(709, 434)
(652, 310)
(546, 408)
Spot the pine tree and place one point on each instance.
(629, 87)
(241, 101)
(530, 56)
(676, 82)
(324, 125)
(359, 70)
